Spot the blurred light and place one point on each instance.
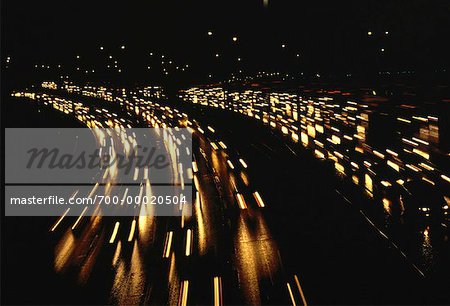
(445, 178)
(122, 47)
(369, 33)
(210, 33)
(258, 199)
(235, 38)
(243, 163)
(114, 233)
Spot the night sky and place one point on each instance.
(318, 37)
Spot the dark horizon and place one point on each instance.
(327, 38)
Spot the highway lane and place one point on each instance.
(262, 282)
(329, 231)
(289, 243)
(227, 250)
(245, 245)
(80, 243)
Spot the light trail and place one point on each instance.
(132, 230)
(230, 164)
(218, 291)
(189, 238)
(243, 163)
(183, 298)
(168, 244)
(74, 226)
(302, 295)
(241, 201)
(291, 295)
(258, 199)
(114, 233)
(59, 220)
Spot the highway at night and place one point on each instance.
(238, 247)
(254, 152)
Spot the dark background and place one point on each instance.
(329, 36)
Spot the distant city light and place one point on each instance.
(387, 32)
(101, 48)
(217, 54)
(382, 49)
(210, 33)
(122, 47)
(78, 56)
(369, 33)
(283, 46)
(235, 38)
